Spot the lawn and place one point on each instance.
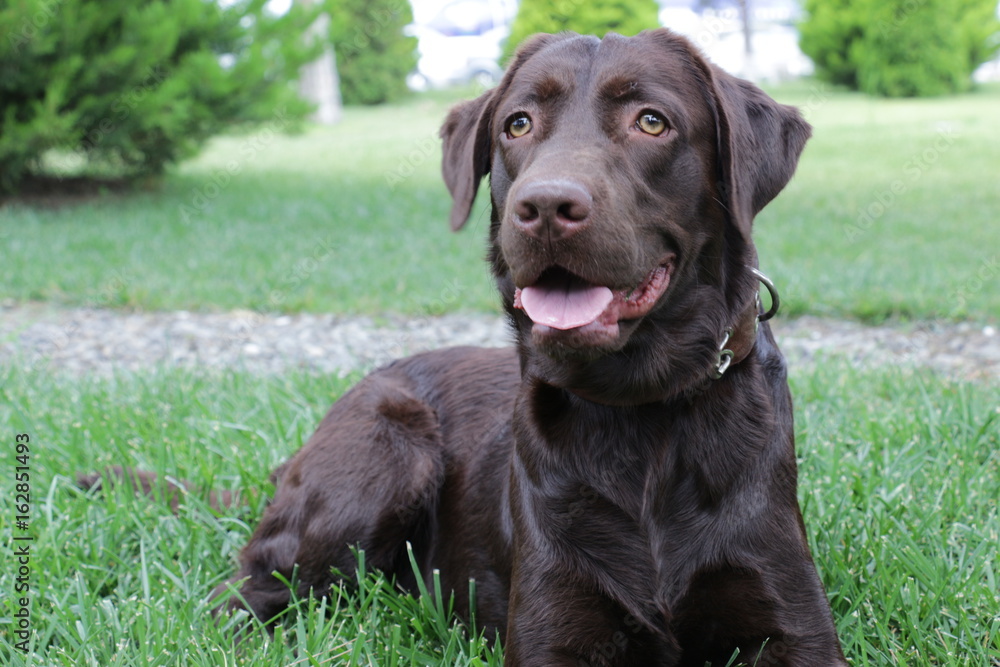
(891, 215)
(900, 479)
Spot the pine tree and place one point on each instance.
(130, 86)
(373, 55)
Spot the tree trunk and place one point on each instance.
(749, 66)
(318, 81)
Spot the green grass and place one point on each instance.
(841, 242)
(900, 475)
(267, 222)
(311, 223)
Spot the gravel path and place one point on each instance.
(88, 340)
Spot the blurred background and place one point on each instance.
(462, 40)
(149, 150)
(187, 120)
(194, 68)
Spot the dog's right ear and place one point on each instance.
(468, 135)
(467, 148)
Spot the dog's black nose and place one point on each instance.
(553, 209)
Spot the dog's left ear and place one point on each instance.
(759, 145)
(468, 140)
(466, 160)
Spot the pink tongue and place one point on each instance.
(566, 304)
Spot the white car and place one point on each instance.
(459, 41)
(717, 28)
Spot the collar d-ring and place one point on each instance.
(737, 341)
(772, 292)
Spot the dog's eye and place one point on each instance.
(519, 125)
(652, 123)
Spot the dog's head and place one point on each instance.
(625, 175)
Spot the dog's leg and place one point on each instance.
(368, 477)
(777, 616)
(581, 590)
(555, 620)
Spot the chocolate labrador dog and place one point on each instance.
(622, 485)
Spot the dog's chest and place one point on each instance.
(611, 497)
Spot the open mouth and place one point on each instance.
(564, 301)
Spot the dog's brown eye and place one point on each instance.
(519, 126)
(652, 123)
